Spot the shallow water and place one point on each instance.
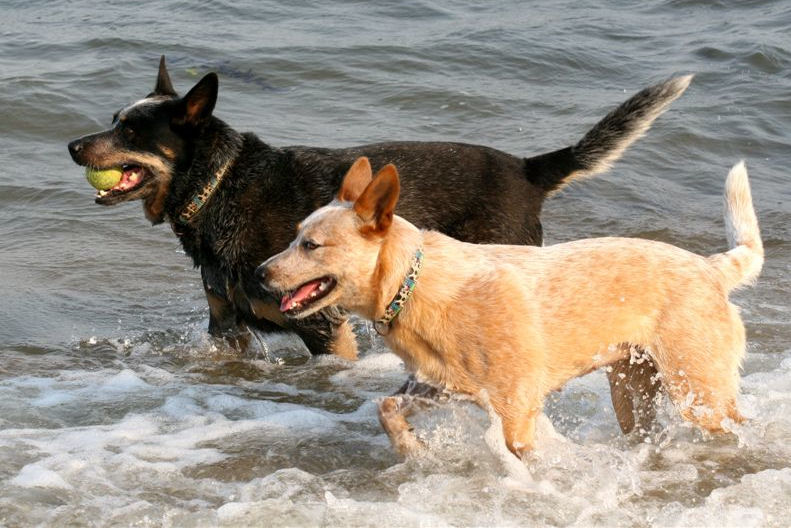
(116, 408)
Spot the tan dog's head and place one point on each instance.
(333, 259)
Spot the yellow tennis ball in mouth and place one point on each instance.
(103, 179)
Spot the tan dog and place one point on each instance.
(509, 324)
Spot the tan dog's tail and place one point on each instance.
(742, 264)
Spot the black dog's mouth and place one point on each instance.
(133, 177)
(304, 296)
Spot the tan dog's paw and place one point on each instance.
(393, 411)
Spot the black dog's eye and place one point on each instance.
(309, 245)
(129, 133)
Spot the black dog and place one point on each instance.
(234, 200)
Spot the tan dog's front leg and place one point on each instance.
(393, 411)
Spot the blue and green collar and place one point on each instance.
(382, 325)
(200, 199)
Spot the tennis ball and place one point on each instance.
(103, 179)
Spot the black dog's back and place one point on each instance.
(474, 193)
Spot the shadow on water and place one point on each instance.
(225, 68)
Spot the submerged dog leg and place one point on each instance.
(327, 332)
(520, 429)
(518, 409)
(344, 342)
(700, 363)
(393, 411)
(423, 390)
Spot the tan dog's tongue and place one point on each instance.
(287, 302)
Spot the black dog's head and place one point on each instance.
(147, 141)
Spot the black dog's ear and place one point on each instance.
(164, 86)
(198, 104)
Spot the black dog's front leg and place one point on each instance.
(321, 333)
(224, 321)
(327, 332)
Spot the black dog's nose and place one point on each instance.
(74, 148)
(261, 273)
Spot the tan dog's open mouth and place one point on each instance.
(302, 297)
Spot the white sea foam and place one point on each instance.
(222, 455)
(36, 476)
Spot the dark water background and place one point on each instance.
(117, 409)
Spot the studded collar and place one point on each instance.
(200, 198)
(382, 325)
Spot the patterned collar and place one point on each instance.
(382, 325)
(200, 199)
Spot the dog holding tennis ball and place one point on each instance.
(112, 179)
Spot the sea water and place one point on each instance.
(117, 409)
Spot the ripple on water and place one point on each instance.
(117, 408)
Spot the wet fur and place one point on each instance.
(509, 324)
(470, 192)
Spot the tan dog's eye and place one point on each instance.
(309, 245)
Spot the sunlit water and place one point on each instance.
(116, 408)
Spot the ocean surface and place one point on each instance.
(117, 408)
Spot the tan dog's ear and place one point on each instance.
(356, 180)
(377, 202)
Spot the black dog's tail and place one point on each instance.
(607, 140)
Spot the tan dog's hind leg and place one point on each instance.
(518, 413)
(520, 431)
(700, 365)
(633, 388)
